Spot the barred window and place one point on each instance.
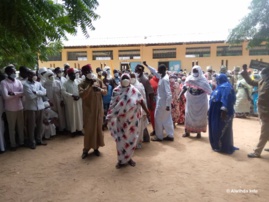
(164, 53)
(81, 55)
(102, 55)
(259, 50)
(229, 50)
(56, 57)
(129, 54)
(197, 52)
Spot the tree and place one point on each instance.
(33, 29)
(254, 27)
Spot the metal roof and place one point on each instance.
(144, 40)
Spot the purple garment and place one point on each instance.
(12, 102)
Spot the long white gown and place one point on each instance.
(73, 109)
(55, 96)
(163, 118)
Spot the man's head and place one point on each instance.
(223, 69)
(133, 78)
(66, 67)
(71, 74)
(107, 69)
(116, 73)
(99, 71)
(104, 74)
(10, 71)
(139, 69)
(58, 71)
(86, 69)
(23, 71)
(31, 75)
(162, 70)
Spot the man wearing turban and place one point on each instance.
(91, 91)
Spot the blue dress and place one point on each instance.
(221, 131)
(255, 97)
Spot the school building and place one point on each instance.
(175, 55)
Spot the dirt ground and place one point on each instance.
(184, 170)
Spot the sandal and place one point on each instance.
(119, 165)
(131, 163)
(84, 155)
(152, 133)
(96, 152)
(186, 135)
(156, 139)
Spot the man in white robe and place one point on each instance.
(41, 73)
(163, 116)
(73, 103)
(59, 75)
(55, 96)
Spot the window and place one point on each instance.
(129, 54)
(259, 50)
(164, 53)
(57, 57)
(197, 52)
(229, 50)
(82, 55)
(102, 55)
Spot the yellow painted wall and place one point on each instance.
(146, 55)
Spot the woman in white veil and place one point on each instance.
(197, 88)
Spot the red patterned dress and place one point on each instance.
(124, 120)
(182, 103)
(174, 85)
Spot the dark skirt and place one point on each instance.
(220, 132)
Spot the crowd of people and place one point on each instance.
(37, 105)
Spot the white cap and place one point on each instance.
(42, 70)
(106, 68)
(49, 72)
(209, 68)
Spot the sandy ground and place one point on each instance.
(184, 170)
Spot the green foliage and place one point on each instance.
(33, 29)
(254, 27)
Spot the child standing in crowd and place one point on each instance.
(48, 121)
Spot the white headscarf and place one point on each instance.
(199, 82)
(47, 74)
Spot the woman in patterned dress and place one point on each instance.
(124, 119)
(174, 85)
(182, 103)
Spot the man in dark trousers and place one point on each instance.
(263, 107)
